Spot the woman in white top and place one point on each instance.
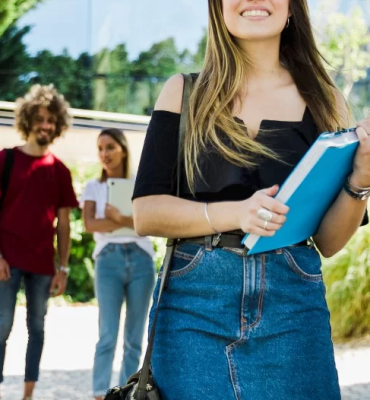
(124, 269)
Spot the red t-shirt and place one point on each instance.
(38, 187)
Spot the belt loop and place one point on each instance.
(216, 240)
(208, 243)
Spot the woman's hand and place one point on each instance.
(249, 220)
(113, 213)
(361, 164)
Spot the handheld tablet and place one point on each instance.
(119, 195)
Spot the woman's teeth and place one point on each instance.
(255, 13)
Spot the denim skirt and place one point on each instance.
(232, 326)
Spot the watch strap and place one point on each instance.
(64, 269)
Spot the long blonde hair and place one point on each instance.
(224, 72)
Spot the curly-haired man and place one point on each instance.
(36, 188)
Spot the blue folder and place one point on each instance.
(310, 190)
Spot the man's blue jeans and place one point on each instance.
(37, 289)
(123, 272)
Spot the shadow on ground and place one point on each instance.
(54, 385)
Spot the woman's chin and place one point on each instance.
(110, 167)
(259, 33)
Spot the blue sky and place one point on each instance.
(89, 25)
(65, 23)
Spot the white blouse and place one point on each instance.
(98, 192)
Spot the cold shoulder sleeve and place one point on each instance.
(157, 167)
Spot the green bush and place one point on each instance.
(347, 278)
(159, 245)
(81, 280)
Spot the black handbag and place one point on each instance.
(141, 385)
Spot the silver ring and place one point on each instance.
(265, 225)
(264, 214)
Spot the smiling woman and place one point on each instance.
(229, 325)
(124, 269)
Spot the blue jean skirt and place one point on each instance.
(233, 326)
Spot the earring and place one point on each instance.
(288, 23)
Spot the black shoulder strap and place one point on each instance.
(188, 84)
(144, 376)
(5, 178)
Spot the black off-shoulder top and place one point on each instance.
(222, 180)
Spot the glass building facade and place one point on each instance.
(115, 55)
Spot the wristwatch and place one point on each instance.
(358, 193)
(64, 269)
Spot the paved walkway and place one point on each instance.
(71, 334)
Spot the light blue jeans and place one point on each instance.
(238, 327)
(123, 272)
